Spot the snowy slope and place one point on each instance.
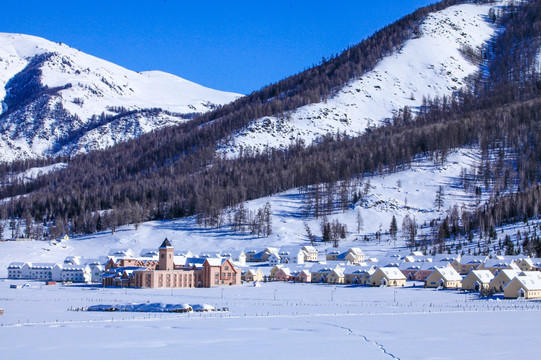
(89, 86)
(410, 192)
(428, 66)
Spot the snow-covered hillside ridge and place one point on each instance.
(49, 90)
(433, 64)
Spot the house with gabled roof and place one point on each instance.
(530, 264)
(293, 255)
(496, 265)
(477, 280)
(19, 270)
(523, 286)
(284, 274)
(501, 279)
(468, 263)
(310, 253)
(302, 276)
(259, 254)
(220, 272)
(253, 274)
(321, 272)
(274, 270)
(336, 276)
(387, 276)
(427, 268)
(409, 269)
(358, 275)
(274, 259)
(445, 278)
(354, 255)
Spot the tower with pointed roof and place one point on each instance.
(167, 253)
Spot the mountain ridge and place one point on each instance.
(56, 90)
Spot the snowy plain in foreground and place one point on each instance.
(276, 320)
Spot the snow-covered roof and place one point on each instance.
(389, 262)
(149, 252)
(44, 266)
(186, 253)
(253, 271)
(253, 250)
(166, 244)
(70, 267)
(472, 259)
(215, 261)
(339, 272)
(445, 257)
(392, 273)
(433, 265)
(410, 266)
(498, 263)
(449, 274)
(73, 260)
(535, 274)
(510, 273)
(121, 252)
(317, 268)
(309, 248)
(17, 265)
(235, 254)
(290, 249)
(210, 254)
(285, 270)
(485, 276)
(358, 270)
(421, 258)
(530, 282)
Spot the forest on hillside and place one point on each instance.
(176, 172)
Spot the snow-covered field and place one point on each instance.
(276, 320)
(431, 65)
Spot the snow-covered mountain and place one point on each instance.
(435, 63)
(59, 100)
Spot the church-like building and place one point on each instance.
(195, 272)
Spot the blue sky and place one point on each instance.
(237, 46)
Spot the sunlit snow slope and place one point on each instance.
(52, 96)
(434, 64)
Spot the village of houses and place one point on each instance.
(166, 267)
